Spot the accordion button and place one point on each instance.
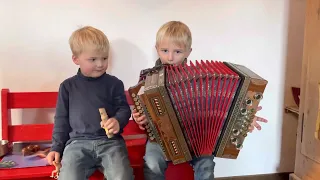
(249, 102)
(234, 140)
(245, 123)
(244, 111)
(236, 132)
(257, 96)
(133, 95)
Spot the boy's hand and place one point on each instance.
(254, 123)
(111, 124)
(140, 120)
(53, 156)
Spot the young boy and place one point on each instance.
(79, 133)
(173, 45)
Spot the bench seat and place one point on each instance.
(135, 143)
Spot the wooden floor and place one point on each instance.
(276, 176)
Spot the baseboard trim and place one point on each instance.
(274, 176)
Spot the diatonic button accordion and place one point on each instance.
(198, 109)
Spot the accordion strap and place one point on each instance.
(158, 65)
(145, 72)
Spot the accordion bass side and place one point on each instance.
(201, 109)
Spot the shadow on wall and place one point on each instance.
(126, 61)
(294, 55)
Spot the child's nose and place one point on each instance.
(170, 57)
(99, 63)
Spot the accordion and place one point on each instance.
(198, 109)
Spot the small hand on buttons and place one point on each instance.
(255, 124)
(140, 120)
(111, 124)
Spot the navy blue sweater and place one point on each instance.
(77, 111)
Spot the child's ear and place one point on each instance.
(75, 59)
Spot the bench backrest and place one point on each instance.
(37, 132)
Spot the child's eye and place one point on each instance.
(105, 58)
(165, 50)
(93, 59)
(178, 52)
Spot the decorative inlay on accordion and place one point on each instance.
(200, 109)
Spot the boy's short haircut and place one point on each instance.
(177, 32)
(88, 38)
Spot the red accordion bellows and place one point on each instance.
(201, 95)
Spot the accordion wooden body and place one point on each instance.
(198, 109)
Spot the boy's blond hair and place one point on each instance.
(88, 38)
(177, 32)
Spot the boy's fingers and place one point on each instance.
(57, 157)
(110, 125)
(250, 128)
(142, 118)
(141, 127)
(136, 116)
(104, 123)
(114, 131)
(259, 108)
(261, 119)
(110, 131)
(139, 119)
(142, 122)
(50, 159)
(257, 126)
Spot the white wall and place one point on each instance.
(35, 55)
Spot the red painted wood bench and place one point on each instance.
(134, 137)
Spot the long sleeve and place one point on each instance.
(123, 111)
(61, 127)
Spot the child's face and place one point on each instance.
(92, 63)
(169, 53)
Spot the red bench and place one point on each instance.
(134, 137)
